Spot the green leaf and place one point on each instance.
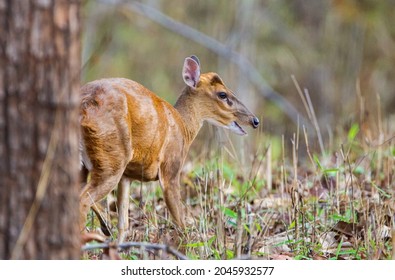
(202, 243)
(339, 246)
(229, 254)
(381, 191)
(337, 218)
(331, 171)
(230, 213)
(247, 229)
(352, 133)
(359, 170)
(285, 242)
(232, 222)
(317, 161)
(302, 257)
(216, 254)
(258, 227)
(133, 257)
(211, 240)
(347, 252)
(195, 245)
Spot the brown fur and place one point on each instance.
(128, 131)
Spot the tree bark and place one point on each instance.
(39, 88)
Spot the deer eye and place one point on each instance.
(222, 95)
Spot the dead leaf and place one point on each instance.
(348, 229)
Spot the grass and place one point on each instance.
(331, 206)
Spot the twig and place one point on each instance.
(315, 122)
(142, 245)
(310, 112)
(239, 233)
(247, 249)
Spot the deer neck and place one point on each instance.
(188, 107)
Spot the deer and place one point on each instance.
(129, 133)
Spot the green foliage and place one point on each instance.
(201, 244)
(229, 213)
(352, 133)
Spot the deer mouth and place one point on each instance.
(236, 128)
(233, 126)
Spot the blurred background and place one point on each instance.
(340, 53)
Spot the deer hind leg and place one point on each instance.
(108, 150)
(94, 191)
(98, 208)
(123, 209)
(103, 216)
(122, 201)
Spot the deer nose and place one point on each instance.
(255, 122)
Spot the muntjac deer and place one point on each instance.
(129, 132)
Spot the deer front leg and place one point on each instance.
(173, 202)
(170, 183)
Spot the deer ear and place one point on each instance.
(191, 71)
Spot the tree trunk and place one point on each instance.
(39, 88)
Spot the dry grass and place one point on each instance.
(331, 206)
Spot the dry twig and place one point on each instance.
(142, 245)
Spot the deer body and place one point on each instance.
(128, 113)
(129, 132)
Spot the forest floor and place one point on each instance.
(329, 205)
